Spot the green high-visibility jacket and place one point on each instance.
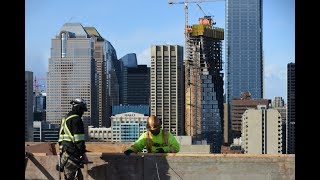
(164, 139)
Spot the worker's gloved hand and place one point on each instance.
(84, 159)
(128, 152)
(59, 168)
(159, 150)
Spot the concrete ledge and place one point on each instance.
(142, 166)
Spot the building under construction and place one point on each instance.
(204, 83)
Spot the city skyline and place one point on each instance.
(132, 27)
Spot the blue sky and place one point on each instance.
(132, 26)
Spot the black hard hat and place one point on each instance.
(79, 102)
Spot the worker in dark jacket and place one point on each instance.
(72, 141)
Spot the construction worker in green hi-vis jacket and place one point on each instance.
(156, 139)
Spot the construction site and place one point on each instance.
(203, 122)
(107, 161)
(203, 79)
(204, 83)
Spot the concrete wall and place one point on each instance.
(117, 166)
(195, 149)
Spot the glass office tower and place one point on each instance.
(244, 59)
(71, 74)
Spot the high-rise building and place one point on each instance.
(278, 104)
(135, 81)
(244, 50)
(72, 74)
(244, 58)
(45, 132)
(40, 102)
(167, 86)
(291, 108)
(227, 133)
(129, 60)
(261, 131)
(239, 106)
(114, 67)
(204, 83)
(28, 106)
(39, 111)
(101, 65)
(135, 85)
(113, 79)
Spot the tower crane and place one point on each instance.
(37, 85)
(188, 29)
(201, 9)
(186, 2)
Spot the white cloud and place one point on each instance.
(275, 71)
(275, 82)
(27, 68)
(37, 63)
(144, 57)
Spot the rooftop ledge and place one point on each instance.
(107, 161)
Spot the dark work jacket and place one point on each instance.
(75, 126)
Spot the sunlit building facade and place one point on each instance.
(72, 74)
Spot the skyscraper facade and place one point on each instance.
(278, 104)
(113, 75)
(135, 85)
(28, 106)
(244, 58)
(261, 131)
(167, 86)
(39, 110)
(72, 74)
(239, 106)
(101, 64)
(291, 108)
(129, 122)
(45, 132)
(129, 60)
(135, 81)
(40, 103)
(128, 127)
(204, 84)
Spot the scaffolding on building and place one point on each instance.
(204, 80)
